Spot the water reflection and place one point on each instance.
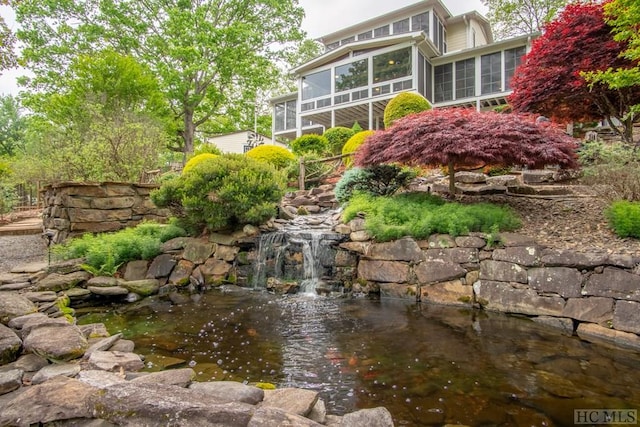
(429, 365)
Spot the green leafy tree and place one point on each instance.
(209, 55)
(12, 126)
(7, 43)
(511, 18)
(106, 125)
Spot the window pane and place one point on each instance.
(465, 78)
(392, 65)
(366, 35)
(291, 114)
(420, 22)
(316, 85)
(332, 46)
(401, 26)
(490, 73)
(279, 116)
(351, 76)
(348, 40)
(512, 59)
(443, 82)
(381, 31)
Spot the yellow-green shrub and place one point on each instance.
(279, 157)
(402, 105)
(351, 146)
(196, 160)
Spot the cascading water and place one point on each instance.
(302, 252)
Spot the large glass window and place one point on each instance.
(392, 65)
(316, 85)
(351, 76)
(366, 35)
(491, 73)
(401, 26)
(465, 78)
(443, 82)
(439, 34)
(381, 31)
(420, 22)
(291, 114)
(512, 59)
(279, 116)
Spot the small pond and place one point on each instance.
(429, 365)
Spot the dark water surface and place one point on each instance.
(429, 365)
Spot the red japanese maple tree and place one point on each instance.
(550, 80)
(466, 137)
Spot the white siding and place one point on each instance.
(481, 37)
(456, 37)
(235, 142)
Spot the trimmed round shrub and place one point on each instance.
(403, 104)
(223, 193)
(337, 137)
(352, 145)
(311, 143)
(279, 157)
(196, 160)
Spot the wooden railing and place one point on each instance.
(304, 177)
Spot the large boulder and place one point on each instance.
(10, 345)
(291, 400)
(375, 417)
(229, 391)
(60, 282)
(56, 342)
(14, 305)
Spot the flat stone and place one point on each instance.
(114, 360)
(108, 291)
(14, 305)
(358, 247)
(9, 278)
(623, 261)
(124, 346)
(470, 242)
(20, 321)
(500, 271)
(438, 241)
(564, 281)
(537, 176)
(49, 402)
(626, 316)
(102, 344)
(229, 391)
(56, 343)
(226, 253)
(447, 293)
(40, 321)
(456, 255)
(399, 290)
(502, 297)
(77, 293)
(100, 379)
(60, 282)
(162, 265)
(359, 236)
(593, 309)
(614, 283)
(30, 268)
(566, 258)
(528, 256)
(291, 400)
(46, 296)
(30, 362)
(214, 270)
(179, 377)
(589, 331)
(136, 270)
(383, 271)
(95, 330)
(562, 323)
(375, 417)
(198, 251)
(143, 287)
(268, 416)
(102, 281)
(175, 244)
(515, 239)
(58, 369)
(10, 380)
(437, 271)
(405, 249)
(470, 177)
(180, 274)
(10, 345)
(16, 286)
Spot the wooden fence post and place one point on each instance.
(301, 174)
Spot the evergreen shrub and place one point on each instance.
(279, 157)
(221, 193)
(377, 180)
(309, 144)
(196, 160)
(624, 218)
(351, 146)
(337, 137)
(402, 105)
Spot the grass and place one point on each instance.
(420, 215)
(104, 253)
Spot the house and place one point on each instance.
(450, 60)
(241, 141)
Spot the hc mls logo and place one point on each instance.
(605, 416)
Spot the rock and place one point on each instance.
(144, 287)
(123, 346)
(399, 290)
(100, 379)
(614, 283)
(10, 345)
(470, 242)
(268, 416)
(226, 253)
(437, 271)
(358, 247)
(37, 322)
(162, 265)
(594, 309)
(30, 363)
(136, 270)
(566, 258)
(383, 271)
(500, 271)
(179, 377)
(49, 402)
(376, 417)
(470, 177)
(198, 251)
(59, 369)
(108, 291)
(537, 176)
(528, 256)
(405, 249)
(561, 323)
(10, 380)
(102, 281)
(173, 245)
(180, 274)
(589, 331)
(14, 305)
(626, 316)
(229, 391)
(498, 296)
(439, 241)
(564, 281)
(56, 343)
(95, 330)
(76, 294)
(136, 404)
(291, 400)
(60, 282)
(47, 296)
(359, 236)
(102, 345)
(20, 321)
(319, 412)
(215, 270)
(114, 360)
(449, 293)
(515, 239)
(456, 255)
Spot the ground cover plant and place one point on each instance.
(624, 218)
(421, 214)
(104, 253)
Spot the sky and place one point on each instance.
(321, 17)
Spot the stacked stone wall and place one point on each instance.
(596, 295)
(76, 208)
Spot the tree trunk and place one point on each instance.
(189, 131)
(452, 178)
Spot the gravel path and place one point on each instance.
(19, 250)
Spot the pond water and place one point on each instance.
(429, 365)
